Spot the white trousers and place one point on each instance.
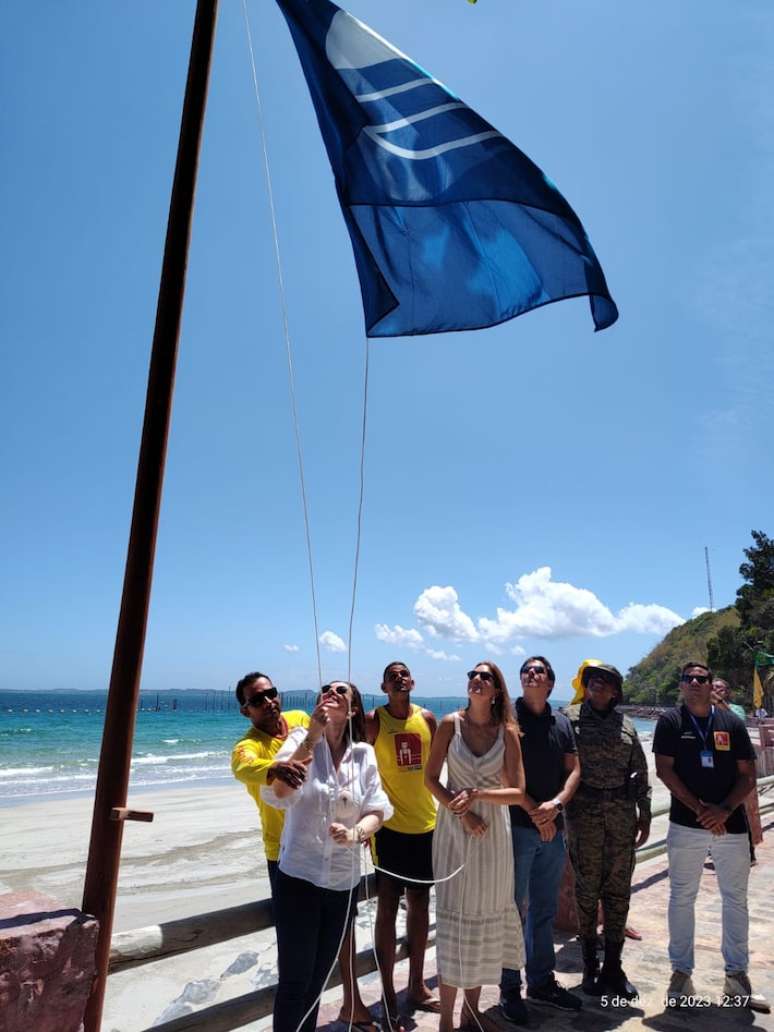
(687, 850)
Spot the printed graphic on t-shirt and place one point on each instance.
(408, 750)
(722, 741)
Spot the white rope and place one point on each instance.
(359, 511)
(286, 332)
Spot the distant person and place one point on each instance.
(721, 697)
(607, 819)
(331, 814)
(705, 758)
(401, 734)
(254, 762)
(478, 929)
(761, 713)
(552, 775)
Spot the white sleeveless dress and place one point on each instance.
(478, 929)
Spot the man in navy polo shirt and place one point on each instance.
(705, 758)
(552, 774)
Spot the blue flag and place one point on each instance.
(453, 228)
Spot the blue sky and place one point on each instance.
(610, 458)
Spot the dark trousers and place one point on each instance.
(310, 922)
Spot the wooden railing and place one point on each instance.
(156, 942)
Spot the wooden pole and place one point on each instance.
(99, 894)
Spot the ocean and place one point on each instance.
(50, 742)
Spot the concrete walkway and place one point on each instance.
(645, 962)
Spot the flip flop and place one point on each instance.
(431, 1005)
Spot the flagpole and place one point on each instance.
(99, 894)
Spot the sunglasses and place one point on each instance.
(606, 679)
(698, 678)
(260, 697)
(340, 689)
(397, 675)
(485, 675)
(536, 670)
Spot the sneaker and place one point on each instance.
(739, 993)
(554, 995)
(514, 1009)
(681, 990)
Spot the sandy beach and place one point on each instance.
(202, 852)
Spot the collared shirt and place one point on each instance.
(327, 795)
(726, 739)
(251, 760)
(546, 738)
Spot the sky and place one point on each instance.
(530, 488)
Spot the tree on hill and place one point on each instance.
(655, 680)
(731, 652)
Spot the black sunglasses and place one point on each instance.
(260, 697)
(485, 675)
(538, 668)
(340, 689)
(698, 678)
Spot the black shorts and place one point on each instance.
(405, 856)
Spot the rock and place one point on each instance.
(241, 963)
(47, 963)
(199, 991)
(176, 1009)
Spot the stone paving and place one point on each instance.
(645, 962)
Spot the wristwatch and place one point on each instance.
(559, 805)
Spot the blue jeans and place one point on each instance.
(539, 868)
(687, 850)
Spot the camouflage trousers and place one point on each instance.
(600, 841)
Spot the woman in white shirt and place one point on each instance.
(328, 819)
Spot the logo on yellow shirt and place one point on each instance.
(722, 741)
(408, 750)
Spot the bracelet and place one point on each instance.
(362, 837)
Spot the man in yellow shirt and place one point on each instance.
(252, 759)
(401, 733)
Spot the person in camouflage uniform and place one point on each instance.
(608, 818)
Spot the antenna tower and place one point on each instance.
(709, 579)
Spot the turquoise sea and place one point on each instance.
(50, 742)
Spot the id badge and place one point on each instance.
(707, 759)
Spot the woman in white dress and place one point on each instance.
(478, 929)
(337, 808)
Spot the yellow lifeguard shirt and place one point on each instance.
(402, 749)
(251, 758)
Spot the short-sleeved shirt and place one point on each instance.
(545, 741)
(251, 760)
(726, 738)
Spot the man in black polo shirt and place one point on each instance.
(705, 758)
(552, 773)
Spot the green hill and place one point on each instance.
(654, 680)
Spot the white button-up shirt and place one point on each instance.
(327, 796)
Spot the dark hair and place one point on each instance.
(502, 708)
(358, 714)
(551, 676)
(246, 681)
(701, 666)
(395, 662)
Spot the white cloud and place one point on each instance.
(332, 642)
(398, 635)
(292, 648)
(440, 654)
(698, 611)
(554, 609)
(438, 611)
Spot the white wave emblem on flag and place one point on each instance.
(352, 46)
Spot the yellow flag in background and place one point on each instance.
(757, 690)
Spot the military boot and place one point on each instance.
(612, 980)
(590, 966)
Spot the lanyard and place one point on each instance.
(703, 735)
